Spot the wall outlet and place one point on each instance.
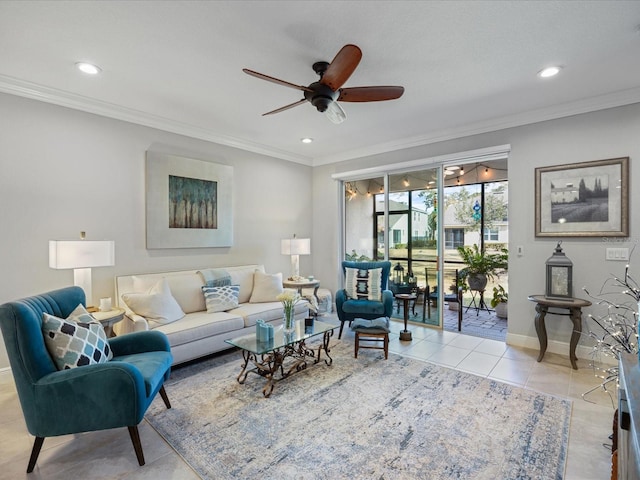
(617, 254)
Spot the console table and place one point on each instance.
(574, 308)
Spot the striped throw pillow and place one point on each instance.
(363, 284)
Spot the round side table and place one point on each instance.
(108, 319)
(406, 298)
(315, 284)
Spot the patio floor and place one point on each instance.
(478, 323)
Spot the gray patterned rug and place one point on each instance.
(363, 418)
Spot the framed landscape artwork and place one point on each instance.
(189, 202)
(589, 199)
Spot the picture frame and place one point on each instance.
(189, 202)
(588, 199)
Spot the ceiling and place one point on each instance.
(467, 66)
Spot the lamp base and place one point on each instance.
(295, 266)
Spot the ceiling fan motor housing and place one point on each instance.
(321, 96)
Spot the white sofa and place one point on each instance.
(199, 333)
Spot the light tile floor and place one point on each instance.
(109, 454)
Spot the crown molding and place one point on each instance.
(34, 91)
(14, 86)
(602, 102)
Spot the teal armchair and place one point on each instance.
(348, 309)
(88, 398)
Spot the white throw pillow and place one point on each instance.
(266, 287)
(219, 299)
(157, 305)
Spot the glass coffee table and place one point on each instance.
(287, 353)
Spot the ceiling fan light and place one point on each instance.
(335, 113)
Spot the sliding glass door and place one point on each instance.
(417, 216)
(395, 217)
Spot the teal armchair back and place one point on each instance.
(349, 309)
(88, 398)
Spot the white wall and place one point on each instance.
(63, 171)
(600, 135)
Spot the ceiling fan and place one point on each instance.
(327, 92)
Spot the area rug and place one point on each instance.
(364, 418)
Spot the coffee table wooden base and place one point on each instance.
(296, 356)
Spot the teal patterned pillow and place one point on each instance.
(76, 341)
(219, 299)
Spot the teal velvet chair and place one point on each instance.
(348, 309)
(88, 398)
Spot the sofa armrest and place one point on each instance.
(131, 322)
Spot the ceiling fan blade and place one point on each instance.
(286, 107)
(342, 66)
(335, 113)
(276, 80)
(370, 94)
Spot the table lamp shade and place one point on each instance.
(81, 255)
(65, 254)
(295, 247)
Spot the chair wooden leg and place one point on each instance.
(137, 445)
(341, 327)
(386, 347)
(357, 344)
(165, 398)
(35, 451)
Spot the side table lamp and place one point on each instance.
(295, 247)
(81, 256)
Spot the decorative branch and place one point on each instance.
(618, 326)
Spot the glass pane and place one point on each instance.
(364, 230)
(413, 234)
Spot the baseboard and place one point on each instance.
(554, 346)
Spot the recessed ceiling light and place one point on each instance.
(306, 140)
(88, 68)
(549, 72)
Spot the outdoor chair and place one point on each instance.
(432, 295)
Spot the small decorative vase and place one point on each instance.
(289, 323)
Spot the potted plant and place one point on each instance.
(481, 266)
(499, 301)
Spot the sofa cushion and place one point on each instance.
(199, 325)
(243, 276)
(266, 287)
(219, 299)
(363, 307)
(268, 311)
(363, 284)
(75, 341)
(158, 305)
